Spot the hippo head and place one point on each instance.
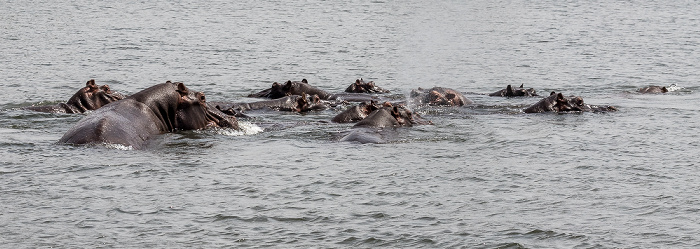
(519, 92)
(92, 97)
(193, 113)
(445, 98)
(288, 88)
(404, 116)
(361, 87)
(310, 103)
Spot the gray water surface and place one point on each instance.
(483, 176)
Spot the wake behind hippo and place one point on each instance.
(90, 97)
(162, 108)
(556, 102)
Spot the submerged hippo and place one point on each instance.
(439, 96)
(509, 91)
(371, 129)
(360, 86)
(293, 103)
(556, 102)
(90, 97)
(653, 89)
(303, 87)
(162, 108)
(356, 113)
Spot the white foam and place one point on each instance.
(673, 87)
(246, 128)
(118, 146)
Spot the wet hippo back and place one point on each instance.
(159, 109)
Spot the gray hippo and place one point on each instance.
(357, 112)
(292, 103)
(162, 108)
(653, 89)
(90, 97)
(439, 96)
(303, 87)
(372, 128)
(360, 86)
(509, 91)
(556, 102)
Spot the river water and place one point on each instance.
(483, 176)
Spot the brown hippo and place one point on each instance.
(509, 91)
(162, 108)
(653, 89)
(298, 87)
(356, 113)
(372, 128)
(556, 102)
(90, 97)
(360, 86)
(292, 103)
(439, 96)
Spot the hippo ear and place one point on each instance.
(90, 84)
(664, 89)
(521, 85)
(304, 81)
(509, 90)
(552, 93)
(182, 89)
(169, 82)
(357, 81)
(560, 97)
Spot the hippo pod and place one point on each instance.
(439, 96)
(302, 87)
(162, 108)
(360, 86)
(90, 97)
(293, 103)
(556, 102)
(509, 91)
(653, 89)
(371, 128)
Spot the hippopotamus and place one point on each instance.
(292, 103)
(162, 108)
(371, 128)
(360, 86)
(556, 102)
(90, 97)
(357, 112)
(653, 89)
(298, 87)
(439, 96)
(509, 91)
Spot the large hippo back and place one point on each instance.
(131, 122)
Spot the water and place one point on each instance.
(483, 176)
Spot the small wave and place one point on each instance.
(118, 146)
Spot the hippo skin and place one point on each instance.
(162, 108)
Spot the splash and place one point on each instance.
(246, 128)
(673, 88)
